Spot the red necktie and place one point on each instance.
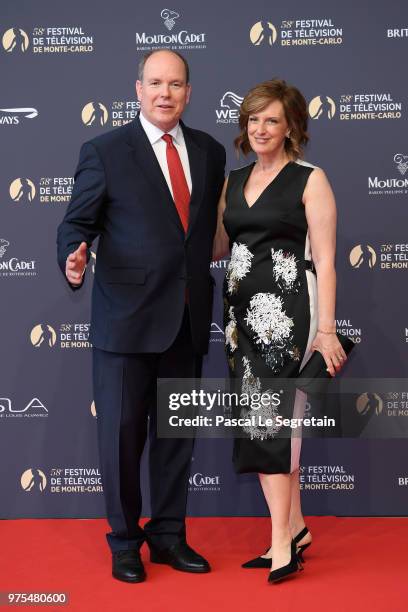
(181, 193)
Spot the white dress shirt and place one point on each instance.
(154, 134)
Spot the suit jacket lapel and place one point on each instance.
(197, 158)
(145, 158)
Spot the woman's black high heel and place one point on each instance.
(258, 562)
(265, 563)
(293, 566)
(302, 548)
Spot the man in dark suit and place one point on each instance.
(149, 190)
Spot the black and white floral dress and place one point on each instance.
(270, 305)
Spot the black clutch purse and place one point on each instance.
(314, 377)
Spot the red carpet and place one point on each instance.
(353, 564)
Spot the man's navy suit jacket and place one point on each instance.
(145, 261)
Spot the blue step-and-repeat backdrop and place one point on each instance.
(67, 74)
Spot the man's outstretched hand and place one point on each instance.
(76, 264)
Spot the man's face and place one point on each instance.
(163, 93)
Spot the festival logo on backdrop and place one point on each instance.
(33, 479)
(326, 478)
(49, 39)
(15, 40)
(43, 335)
(357, 107)
(296, 33)
(349, 329)
(369, 404)
(396, 405)
(22, 190)
(179, 41)
(392, 410)
(63, 480)
(55, 189)
(322, 107)
(392, 256)
(363, 256)
(263, 33)
(121, 112)
(67, 336)
(94, 114)
(50, 189)
(396, 185)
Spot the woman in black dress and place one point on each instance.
(279, 298)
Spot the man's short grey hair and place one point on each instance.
(150, 53)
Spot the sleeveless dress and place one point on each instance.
(270, 307)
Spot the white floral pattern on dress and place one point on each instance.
(231, 332)
(250, 385)
(272, 328)
(285, 271)
(239, 265)
(267, 319)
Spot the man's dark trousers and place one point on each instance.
(125, 393)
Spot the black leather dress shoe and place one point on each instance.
(180, 557)
(127, 566)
